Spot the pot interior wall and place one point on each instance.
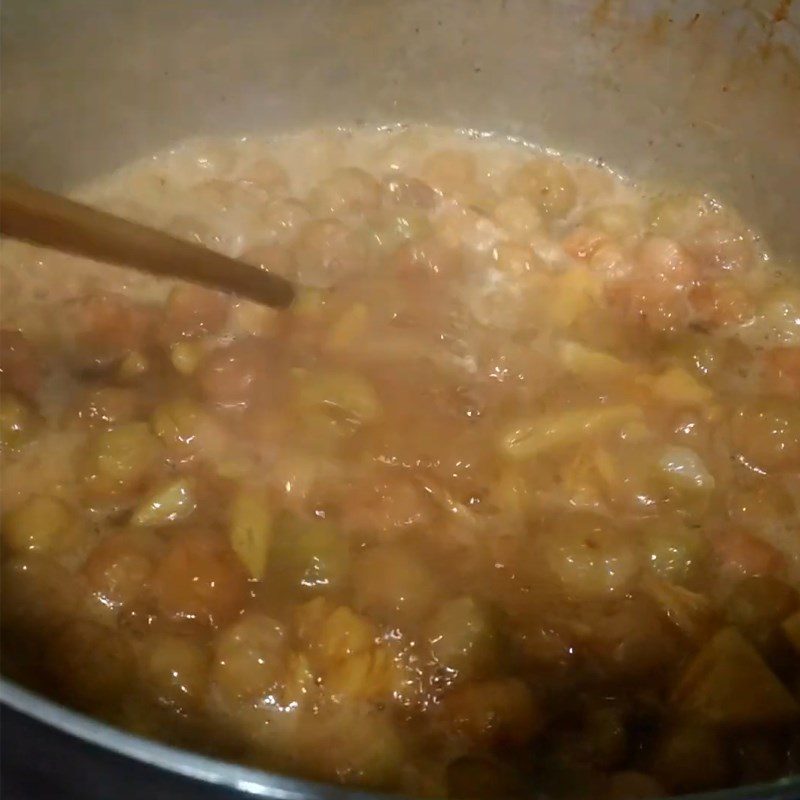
(692, 92)
(696, 93)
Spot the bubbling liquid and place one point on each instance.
(507, 503)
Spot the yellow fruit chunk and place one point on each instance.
(346, 394)
(527, 438)
(345, 634)
(250, 529)
(728, 684)
(42, 523)
(349, 327)
(588, 363)
(186, 356)
(574, 294)
(365, 676)
(134, 365)
(172, 502)
(677, 386)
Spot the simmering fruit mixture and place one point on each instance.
(506, 505)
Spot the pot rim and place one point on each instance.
(260, 783)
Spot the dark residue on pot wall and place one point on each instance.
(782, 11)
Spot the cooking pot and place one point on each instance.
(691, 93)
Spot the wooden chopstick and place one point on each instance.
(52, 220)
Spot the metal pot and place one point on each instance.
(691, 92)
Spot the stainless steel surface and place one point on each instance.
(199, 770)
(702, 92)
(190, 765)
(689, 92)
